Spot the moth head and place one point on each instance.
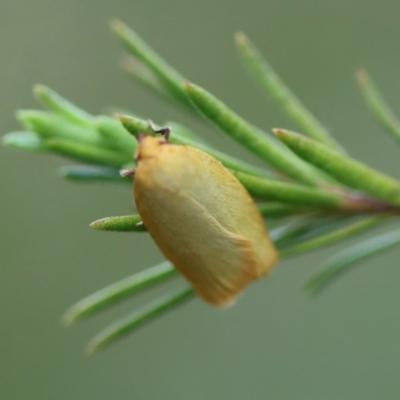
(148, 146)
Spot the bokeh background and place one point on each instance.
(277, 342)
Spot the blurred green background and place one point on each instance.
(276, 343)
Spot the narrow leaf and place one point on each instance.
(133, 321)
(332, 237)
(378, 105)
(87, 173)
(118, 291)
(346, 170)
(185, 132)
(49, 126)
(280, 210)
(303, 227)
(24, 140)
(86, 153)
(260, 144)
(150, 81)
(290, 193)
(171, 78)
(126, 223)
(345, 260)
(115, 135)
(136, 125)
(281, 94)
(64, 108)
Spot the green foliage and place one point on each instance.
(312, 194)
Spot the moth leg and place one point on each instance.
(127, 172)
(140, 224)
(165, 131)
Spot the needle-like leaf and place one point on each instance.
(378, 105)
(172, 79)
(64, 108)
(331, 237)
(283, 96)
(345, 260)
(346, 170)
(125, 223)
(86, 153)
(133, 321)
(260, 144)
(119, 290)
(24, 140)
(136, 125)
(89, 173)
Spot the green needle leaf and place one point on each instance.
(49, 126)
(117, 291)
(283, 96)
(306, 227)
(184, 132)
(345, 260)
(172, 79)
(332, 237)
(346, 170)
(150, 81)
(115, 135)
(24, 140)
(133, 321)
(290, 193)
(88, 173)
(136, 125)
(64, 108)
(279, 210)
(126, 223)
(260, 144)
(86, 153)
(378, 105)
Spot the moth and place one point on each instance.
(202, 219)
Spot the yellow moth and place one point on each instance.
(201, 218)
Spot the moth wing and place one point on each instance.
(218, 263)
(236, 270)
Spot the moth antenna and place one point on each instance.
(165, 131)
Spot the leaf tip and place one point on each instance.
(116, 25)
(240, 38)
(98, 224)
(279, 132)
(89, 350)
(92, 348)
(68, 318)
(188, 85)
(123, 117)
(7, 140)
(39, 89)
(362, 76)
